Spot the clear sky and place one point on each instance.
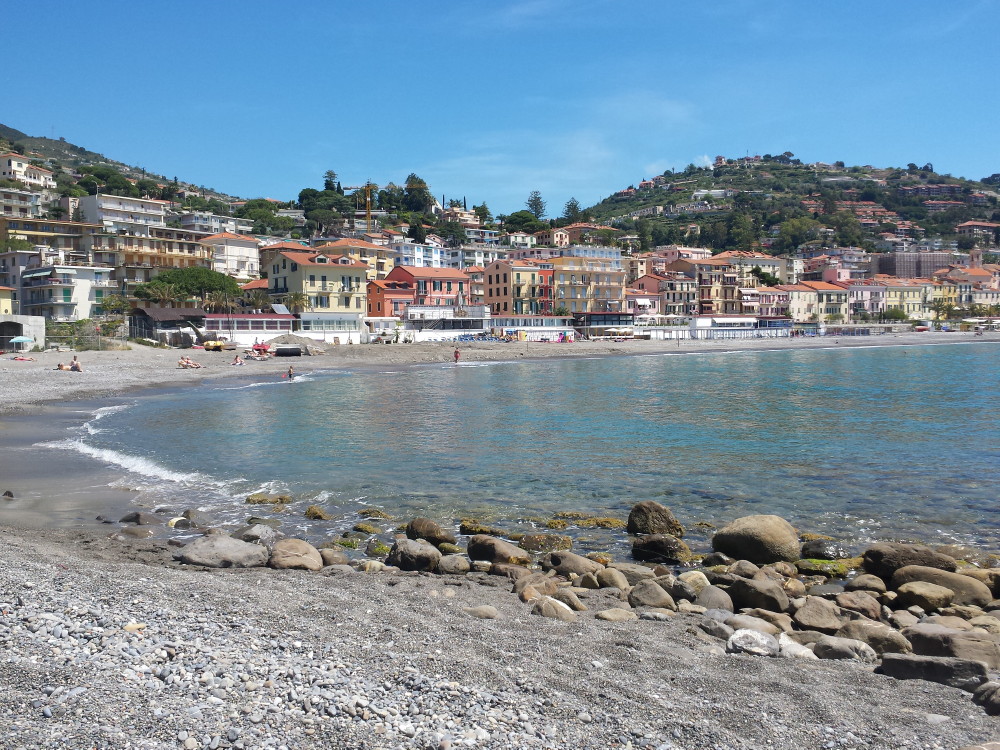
(492, 99)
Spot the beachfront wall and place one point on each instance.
(12, 326)
(445, 322)
(249, 329)
(739, 327)
(542, 328)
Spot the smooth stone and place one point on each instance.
(963, 674)
(760, 539)
(616, 615)
(569, 563)
(832, 647)
(650, 517)
(752, 642)
(482, 612)
(221, 551)
(295, 554)
(453, 565)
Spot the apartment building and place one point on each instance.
(20, 204)
(588, 285)
(518, 287)
(206, 221)
(123, 215)
(18, 167)
(235, 255)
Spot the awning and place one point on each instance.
(33, 274)
(66, 271)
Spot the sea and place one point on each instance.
(861, 444)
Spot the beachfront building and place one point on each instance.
(13, 325)
(247, 329)
(588, 283)
(831, 301)
(71, 238)
(542, 328)
(19, 167)
(911, 296)
(433, 286)
(416, 255)
(388, 299)
(375, 255)
(518, 287)
(235, 255)
(719, 283)
(63, 293)
(865, 299)
(678, 294)
(445, 322)
(802, 302)
(477, 279)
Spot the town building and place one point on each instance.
(433, 286)
(21, 204)
(64, 293)
(18, 167)
(235, 255)
(518, 287)
(588, 284)
(206, 221)
(123, 215)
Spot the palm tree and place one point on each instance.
(297, 302)
(258, 299)
(219, 302)
(160, 292)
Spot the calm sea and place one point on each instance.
(875, 443)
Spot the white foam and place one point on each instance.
(137, 464)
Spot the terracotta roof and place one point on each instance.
(309, 259)
(228, 236)
(341, 244)
(419, 272)
(255, 284)
(821, 286)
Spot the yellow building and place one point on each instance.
(912, 296)
(333, 283)
(588, 284)
(7, 300)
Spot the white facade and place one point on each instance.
(203, 221)
(465, 256)
(235, 255)
(65, 293)
(16, 167)
(121, 215)
(22, 204)
(413, 254)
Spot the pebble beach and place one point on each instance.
(110, 641)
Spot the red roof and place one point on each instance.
(228, 236)
(347, 243)
(309, 259)
(419, 272)
(255, 284)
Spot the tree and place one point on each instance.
(523, 221)
(965, 242)
(258, 299)
(219, 302)
(765, 278)
(454, 203)
(535, 204)
(483, 212)
(197, 282)
(416, 232)
(114, 304)
(297, 302)
(571, 211)
(451, 232)
(330, 180)
(795, 232)
(161, 292)
(642, 228)
(561, 310)
(416, 195)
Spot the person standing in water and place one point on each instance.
(291, 373)
(457, 355)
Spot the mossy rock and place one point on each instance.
(570, 514)
(556, 523)
(545, 542)
(600, 522)
(316, 513)
(603, 558)
(378, 549)
(705, 526)
(471, 527)
(829, 568)
(810, 537)
(375, 513)
(279, 508)
(515, 537)
(356, 535)
(402, 527)
(274, 523)
(367, 528)
(446, 548)
(260, 498)
(348, 543)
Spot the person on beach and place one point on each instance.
(291, 373)
(457, 355)
(76, 365)
(63, 366)
(237, 361)
(22, 358)
(188, 364)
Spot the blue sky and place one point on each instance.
(490, 100)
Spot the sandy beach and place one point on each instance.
(109, 642)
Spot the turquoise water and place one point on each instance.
(893, 442)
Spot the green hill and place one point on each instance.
(775, 203)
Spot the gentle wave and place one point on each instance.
(142, 466)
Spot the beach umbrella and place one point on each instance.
(21, 340)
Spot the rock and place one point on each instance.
(141, 519)
(507, 570)
(295, 554)
(610, 578)
(589, 581)
(633, 573)
(568, 563)
(861, 602)
(758, 592)
(220, 551)
(472, 527)
(902, 618)
(866, 582)
(259, 533)
(791, 649)
(831, 647)
(986, 622)
(660, 548)
(927, 596)
(332, 556)
(650, 594)
(781, 620)
(949, 622)
(752, 642)
(453, 565)
(317, 513)
(695, 579)
(716, 558)
(545, 542)
(483, 612)
(198, 518)
(882, 638)
(824, 549)
(649, 517)
(712, 597)
(987, 695)
(963, 674)
(793, 588)
(743, 569)
(541, 583)
(136, 532)
(616, 615)
(828, 568)
(748, 622)
(886, 558)
(571, 600)
(483, 547)
(936, 640)
(552, 608)
(411, 554)
(989, 576)
(715, 628)
(759, 539)
(425, 528)
(819, 614)
(450, 549)
(967, 589)
(8, 495)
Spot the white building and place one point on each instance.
(22, 204)
(235, 255)
(520, 239)
(415, 254)
(65, 293)
(204, 221)
(17, 167)
(471, 255)
(122, 215)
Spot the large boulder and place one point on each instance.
(882, 638)
(964, 674)
(661, 548)
(831, 647)
(412, 554)
(937, 640)
(545, 542)
(259, 533)
(886, 558)
(492, 549)
(425, 528)
(752, 642)
(861, 602)
(759, 539)
(825, 549)
(761, 592)
(967, 589)
(455, 565)
(570, 563)
(546, 606)
(712, 597)
(819, 614)
(649, 517)
(295, 554)
(650, 594)
(221, 551)
(928, 596)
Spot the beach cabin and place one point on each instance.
(174, 326)
(247, 329)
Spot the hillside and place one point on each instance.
(776, 203)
